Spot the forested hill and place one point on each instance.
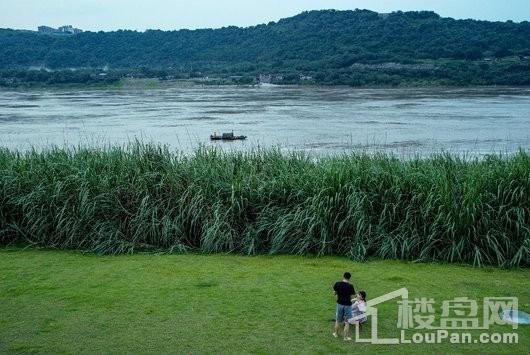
(330, 45)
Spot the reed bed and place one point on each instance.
(142, 197)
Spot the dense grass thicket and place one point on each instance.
(144, 197)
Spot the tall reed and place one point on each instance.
(144, 197)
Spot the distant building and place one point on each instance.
(265, 78)
(68, 29)
(270, 78)
(46, 29)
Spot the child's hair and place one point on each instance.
(363, 295)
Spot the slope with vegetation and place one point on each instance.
(322, 45)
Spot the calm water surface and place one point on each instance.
(319, 120)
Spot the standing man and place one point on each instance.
(345, 292)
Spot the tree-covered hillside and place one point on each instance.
(346, 47)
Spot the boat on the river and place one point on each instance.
(227, 137)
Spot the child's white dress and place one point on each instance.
(359, 312)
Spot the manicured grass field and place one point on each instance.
(54, 301)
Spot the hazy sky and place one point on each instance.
(176, 14)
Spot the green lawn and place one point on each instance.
(54, 301)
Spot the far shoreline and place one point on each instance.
(157, 84)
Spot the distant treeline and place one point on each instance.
(17, 77)
(319, 46)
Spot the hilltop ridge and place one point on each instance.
(327, 46)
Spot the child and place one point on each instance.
(359, 309)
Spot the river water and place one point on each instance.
(473, 121)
